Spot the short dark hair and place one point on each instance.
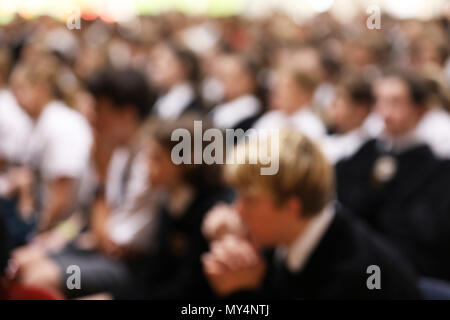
(187, 58)
(124, 87)
(358, 89)
(417, 87)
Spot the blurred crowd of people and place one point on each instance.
(87, 179)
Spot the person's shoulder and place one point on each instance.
(368, 254)
(363, 265)
(58, 110)
(307, 116)
(270, 119)
(363, 157)
(60, 117)
(250, 101)
(11, 111)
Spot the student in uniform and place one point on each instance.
(173, 270)
(290, 101)
(117, 198)
(348, 113)
(241, 106)
(395, 182)
(175, 71)
(316, 250)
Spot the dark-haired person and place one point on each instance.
(122, 103)
(173, 270)
(315, 249)
(241, 106)
(115, 193)
(175, 71)
(395, 182)
(348, 113)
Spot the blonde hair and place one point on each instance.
(303, 172)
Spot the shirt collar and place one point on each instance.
(298, 253)
(401, 143)
(174, 102)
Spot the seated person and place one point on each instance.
(290, 100)
(396, 184)
(240, 107)
(174, 72)
(351, 107)
(115, 192)
(316, 249)
(173, 270)
(57, 151)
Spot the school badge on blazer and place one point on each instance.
(384, 169)
(178, 243)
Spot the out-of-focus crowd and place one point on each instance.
(87, 177)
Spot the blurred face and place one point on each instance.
(31, 97)
(162, 173)
(266, 222)
(235, 80)
(167, 69)
(345, 115)
(113, 126)
(394, 104)
(285, 95)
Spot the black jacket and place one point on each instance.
(337, 268)
(411, 210)
(174, 270)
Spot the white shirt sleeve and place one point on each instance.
(15, 128)
(67, 149)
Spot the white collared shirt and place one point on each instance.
(341, 146)
(15, 128)
(303, 120)
(171, 105)
(60, 142)
(228, 115)
(434, 128)
(298, 253)
(401, 143)
(374, 124)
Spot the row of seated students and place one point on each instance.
(150, 242)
